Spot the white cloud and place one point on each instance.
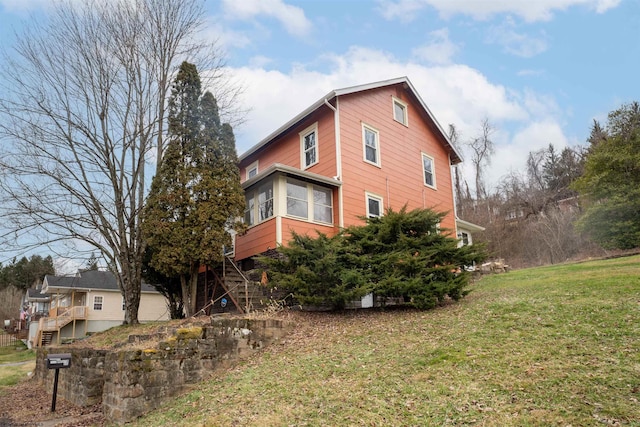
(439, 48)
(530, 11)
(259, 61)
(291, 17)
(224, 37)
(402, 10)
(512, 156)
(455, 93)
(524, 120)
(516, 43)
(24, 5)
(65, 266)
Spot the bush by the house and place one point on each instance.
(401, 254)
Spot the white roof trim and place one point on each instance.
(461, 223)
(279, 167)
(347, 91)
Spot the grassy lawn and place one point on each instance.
(548, 346)
(12, 374)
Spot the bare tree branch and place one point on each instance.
(82, 107)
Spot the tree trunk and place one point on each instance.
(193, 286)
(185, 286)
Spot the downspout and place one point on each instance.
(453, 195)
(336, 121)
(388, 193)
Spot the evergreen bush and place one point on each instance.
(402, 254)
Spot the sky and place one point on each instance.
(539, 70)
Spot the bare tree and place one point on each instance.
(82, 106)
(481, 151)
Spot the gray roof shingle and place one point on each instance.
(90, 279)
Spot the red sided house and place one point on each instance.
(356, 151)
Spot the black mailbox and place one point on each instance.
(59, 361)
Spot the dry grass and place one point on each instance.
(547, 346)
(118, 337)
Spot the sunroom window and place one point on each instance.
(309, 201)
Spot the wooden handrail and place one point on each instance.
(244, 278)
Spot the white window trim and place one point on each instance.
(404, 106)
(93, 303)
(424, 172)
(300, 184)
(250, 209)
(307, 131)
(378, 161)
(461, 234)
(249, 168)
(310, 202)
(255, 192)
(373, 196)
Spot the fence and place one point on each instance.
(8, 339)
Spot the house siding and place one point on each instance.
(398, 179)
(153, 306)
(286, 149)
(305, 228)
(256, 240)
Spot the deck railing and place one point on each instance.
(64, 317)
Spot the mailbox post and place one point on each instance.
(57, 362)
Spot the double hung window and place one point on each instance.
(374, 205)
(371, 143)
(429, 171)
(309, 146)
(97, 302)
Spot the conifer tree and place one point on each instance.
(196, 194)
(610, 186)
(401, 254)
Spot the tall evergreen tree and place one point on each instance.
(196, 195)
(610, 185)
(26, 272)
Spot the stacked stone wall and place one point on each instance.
(132, 382)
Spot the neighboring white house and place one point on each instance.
(89, 302)
(465, 230)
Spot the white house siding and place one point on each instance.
(153, 306)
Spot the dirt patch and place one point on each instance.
(29, 404)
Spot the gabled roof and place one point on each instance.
(34, 294)
(87, 280)
(456, 156)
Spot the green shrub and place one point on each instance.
(401, 254)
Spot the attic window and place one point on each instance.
(309, 146)
(400, 111)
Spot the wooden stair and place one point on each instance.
(253, 295)
(46, 338)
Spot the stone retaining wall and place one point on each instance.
(133, 382)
